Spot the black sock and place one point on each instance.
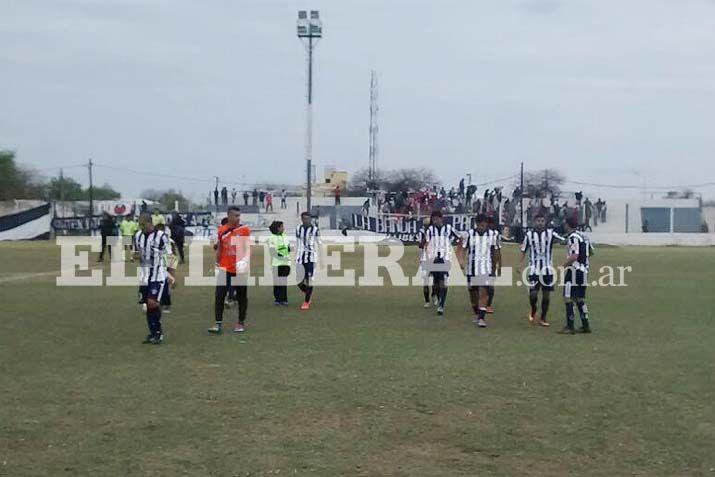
(425, 292)
(308, 294)
(153, 318)
(533, 299)
(476, 310)
(443, 297)
(583, 312)
(544, 307)
(490, 295)
(569, 315)
(482, 313)
(302, 287)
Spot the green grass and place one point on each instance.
(367, 383)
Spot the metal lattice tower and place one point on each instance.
(374, 129)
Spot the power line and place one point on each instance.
(59, 167)
(170, 176)
(496, 181)
(641, 187)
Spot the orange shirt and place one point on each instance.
(233, 245)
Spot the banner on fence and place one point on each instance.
(404, 227)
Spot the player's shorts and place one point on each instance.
(142, 294)
(308, 269)
(154, 290)
(574, 284)
(439, 269)
(480, 280)
(424, 272)
(543, 282)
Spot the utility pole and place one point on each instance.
(62, 185)
(310, 30)
(91, 188)
(521, 196)
(374, 129)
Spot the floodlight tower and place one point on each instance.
(310, 30)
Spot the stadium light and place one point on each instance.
(310, 29)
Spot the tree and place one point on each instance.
(103, 192)
(167, 198)
(392, 181)
(542, 183)
(360, 182)
(64, 188)
(17, 182)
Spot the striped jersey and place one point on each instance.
(497, 238)
(154, 249)
(438, 241)
(308, 240)
(540, 245)
(577, 245)
(480, 248)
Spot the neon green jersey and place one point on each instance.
(279, 243)
(128, 227)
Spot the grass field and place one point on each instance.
(367, 383)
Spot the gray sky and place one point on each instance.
(603, 90)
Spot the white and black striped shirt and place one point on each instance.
(540, 245)
(438, 241)
(497, 238)
(480, 247)
(577, 245)
(154, 249)
(308, 240)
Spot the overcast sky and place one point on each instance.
(607, 91)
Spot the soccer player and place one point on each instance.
(438, 242)
(424, 268)
(480, 247)
(493, 229)
(232, 257)
(575, 277)
(539, 243)
(308, 248)
(152, 246)
(170, 259)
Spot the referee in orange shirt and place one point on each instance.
(233, 253)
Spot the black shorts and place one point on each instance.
(541, 282)
(154, 290)
(575, 284)
(439, 269)
(574, 291)
(308, 269)
(480, 281)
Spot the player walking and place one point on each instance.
(539, 243)
(575, 277)
(233, 252)
(480, 247)
(438, 243)
(152, 246)
(424, 268)
(493, 229)
(308, 249)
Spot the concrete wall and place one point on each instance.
(653, 239)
